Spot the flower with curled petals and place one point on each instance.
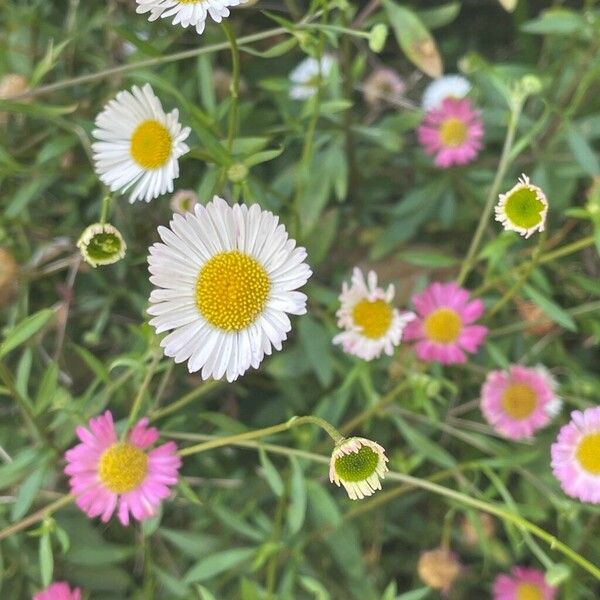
(444, 330)
(106, 474)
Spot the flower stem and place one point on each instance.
(106, 202)
(261, 433)
(196, 393)
(235, 83)
(469, 260)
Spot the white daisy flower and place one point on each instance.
(305, 76)
(448, 86)
(138, 144)
(358, 464)
(187, 12)
(372, 325)
(225, 282)
(523, 208)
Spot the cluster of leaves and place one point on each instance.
(354, 188)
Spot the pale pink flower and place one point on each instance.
(451, 132)
(58, 591)
(518, 402)
(443, 329)
(105, 472)
(576, 456)
(522, 583)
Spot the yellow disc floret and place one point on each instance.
(151, 145)
(232, 290)
(518, 401)
(443, 326)
(588, 453)
(529, 591)
(453, 132)
(122, 468)
(373, 317)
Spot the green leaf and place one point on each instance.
(271, 473)
(317, 348)
(556, 21)
(274, 51)
(414, 39)
(24, 330)
(27, 493)
(550, 308)
(440, 16)
(428, 259)
(46, 559)
(218, 563)
(297, 508)
(582, 151)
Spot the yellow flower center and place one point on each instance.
(588, 453)
(529, 591)
(232, 290)
(524, 208)
(123, 467)
(453, 132)
(151, 145)
(443, 326)
(374, 318)
(518, 401)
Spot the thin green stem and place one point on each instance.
(26, 408)
(106, 202)
(469, 260)
(197, 392)
(235, 83)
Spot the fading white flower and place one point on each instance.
(187, 12)
(308, 75)
(523, 208)
(226, 280)
(101, 244)
(183, 201)
(383, 86)
(371, 323)
(448, 86)
(358, 464)
(138, 144)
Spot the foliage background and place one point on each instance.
(252, 525)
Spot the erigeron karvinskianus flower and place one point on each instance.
(106, 474)
(9, 276)
(226, 280)
(523, 583)
(383, 86)
(439, 568)
(187, 12)
(447, 86)
(444, 329)
(138, 145)
(523, 208)
(371, 323)
(576, 456)
(183, 201)
(519, 401)
(309, 75)
(101, 244)
(58, 591)
(451, 132)
(359, 465)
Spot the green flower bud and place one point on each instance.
(377, 37)
(101, 244)
(237, 172)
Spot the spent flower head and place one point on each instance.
(439, 568)
(183, 201)
(523, 208)
(359, 465)
(101, 244)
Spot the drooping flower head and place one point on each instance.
(58, 591)
(452, 133)
(106, 474)
(519, 401)
(576, 456)
(101, 244)
(523, 208)
(371, 324)
(448, 86)
(187, 12)
(138, 144)
(9, 276)
(383, 86)
(439, 568)
(523, 584)
(444, 328)
(358, 464)
(225, 282)
(309, 75)
(183, 201)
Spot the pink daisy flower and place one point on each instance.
(443, 328)
(58, 591)
(518, 402)
(576, 456)
(105, 472)
(452, 132)
(523, 584)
